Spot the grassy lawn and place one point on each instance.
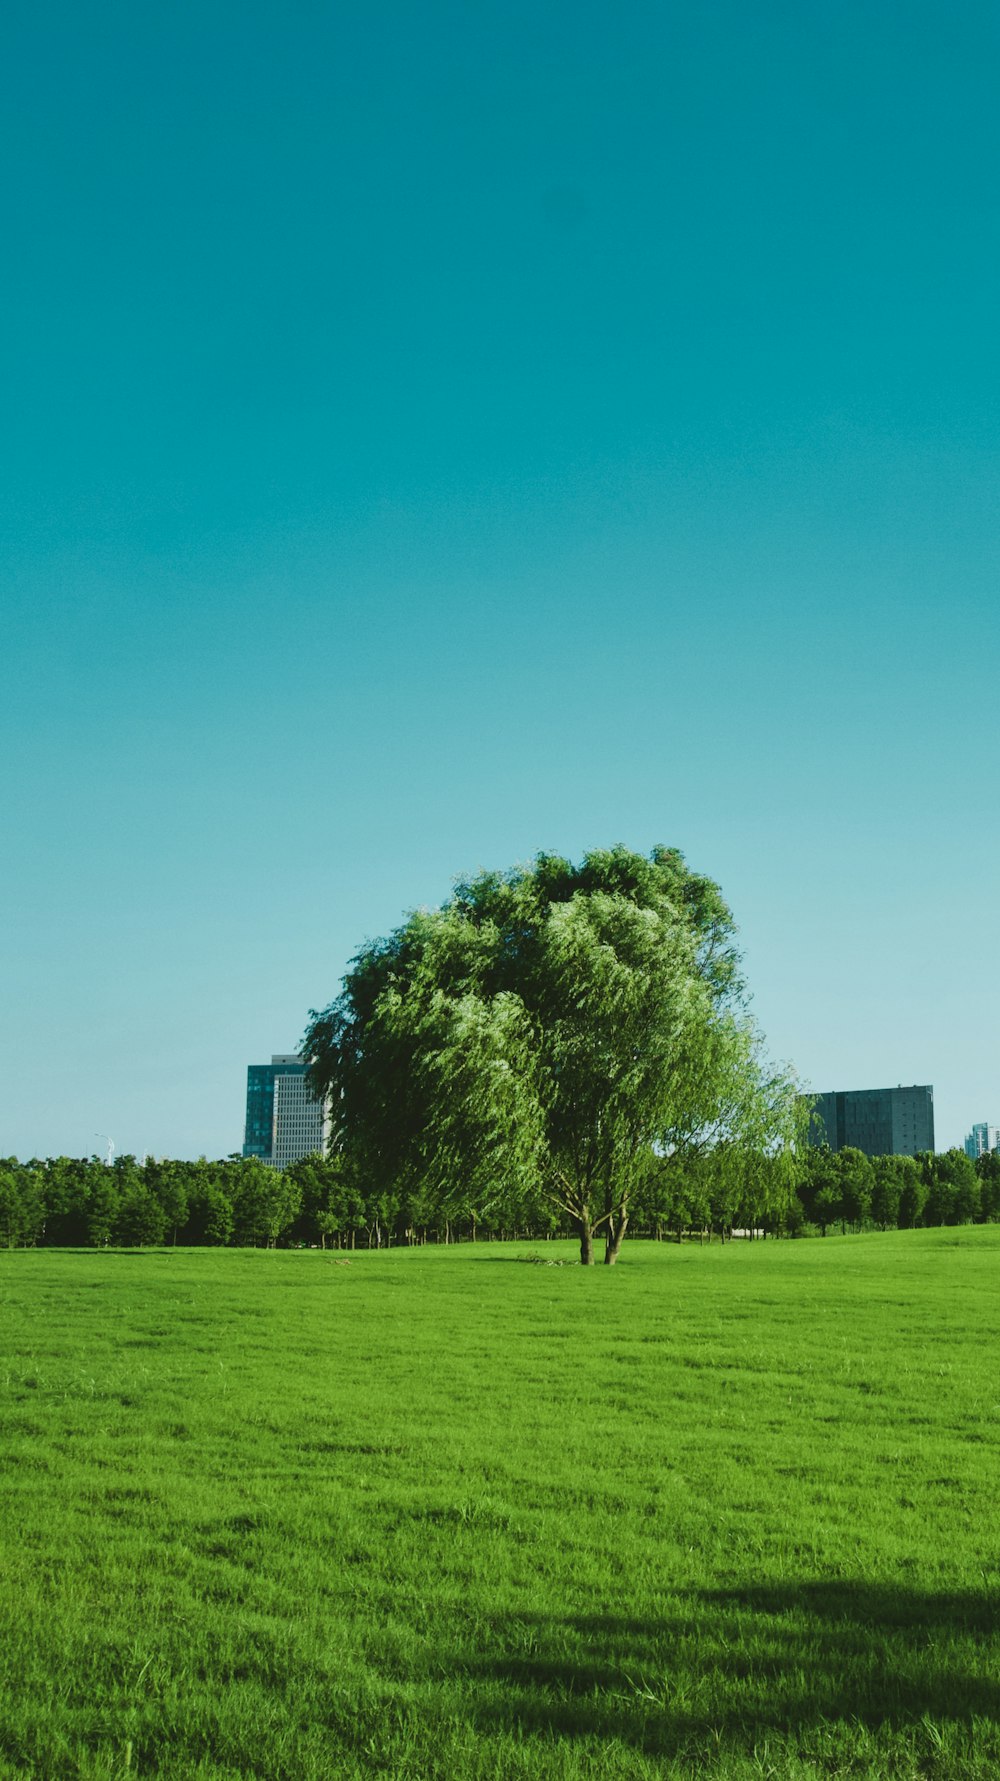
(432, 1513)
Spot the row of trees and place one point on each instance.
(851, 1191)
(63, 1201)
(69, 1202)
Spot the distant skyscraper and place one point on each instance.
(879, 1121)
(284, 1121)
(982, 1138)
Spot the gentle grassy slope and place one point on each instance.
(727, 1512)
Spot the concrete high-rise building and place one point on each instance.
(284, 1120)
(879, 1121)
(982, 1138)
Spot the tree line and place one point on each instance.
(322, 1201)
(71, 1202)
(559, 1048)
(847, 1190)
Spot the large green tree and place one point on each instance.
(537, 1039)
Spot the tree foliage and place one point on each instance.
(538, 1040)
(324, 1201)
(849, 1188)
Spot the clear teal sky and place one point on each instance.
(435, 433)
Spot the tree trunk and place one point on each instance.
(617, 1225)
(586, 1236)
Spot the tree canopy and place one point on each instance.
(544, 1037)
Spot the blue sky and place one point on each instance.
(437, 434)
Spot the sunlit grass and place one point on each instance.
(434, 1513)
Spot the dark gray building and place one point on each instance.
(879, 1121)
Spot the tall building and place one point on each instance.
(982, 1138)
(879, 1121)
(284, 1120)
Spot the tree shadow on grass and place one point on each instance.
(738, 1664)
(531, 1258)
(114, 1251)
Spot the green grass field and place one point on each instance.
(432, 1513)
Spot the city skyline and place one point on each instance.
(984, 1136)
(491, 433)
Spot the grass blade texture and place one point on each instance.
(438, 1513)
